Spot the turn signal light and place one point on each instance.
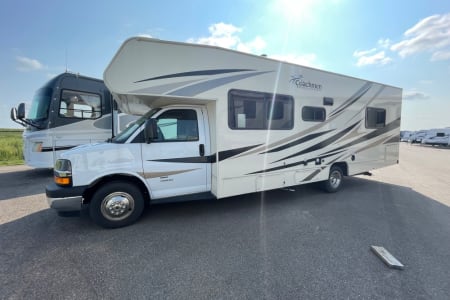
(62, 180)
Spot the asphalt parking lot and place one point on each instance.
(282, 244)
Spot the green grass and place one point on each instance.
(11, 147)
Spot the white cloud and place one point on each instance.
(222, 35)
(415, 95)
(358, 53)
(368, 58)
(431, 34)
(308, 60)
(26, 64)
(227, 36)
(384, 43)
(256, 45)
(440, 55)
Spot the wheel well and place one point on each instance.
(343, 166)
(116, 177)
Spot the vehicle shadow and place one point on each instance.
(24, 182)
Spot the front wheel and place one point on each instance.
(116, 204)
(334, 181)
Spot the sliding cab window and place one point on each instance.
(375, 117)
(260, 111)
(313, 114)
(177, 125)
(80, 105)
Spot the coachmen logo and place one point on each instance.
(300, 82)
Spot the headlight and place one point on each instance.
(63, 172)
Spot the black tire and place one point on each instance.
(334, 181)
(116, 204)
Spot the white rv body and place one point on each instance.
(152, 73)
(261, 124)
(69, 110)
(42, 148)
(437, 137)
(417, 136)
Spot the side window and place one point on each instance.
(247, 112)
(76, 104)
(313, 114)
(375, 117)
(256, 110)
(280, 112)
(177, 125)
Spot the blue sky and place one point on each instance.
(401, 43)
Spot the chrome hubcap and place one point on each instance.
(335, 179)
(117, 206)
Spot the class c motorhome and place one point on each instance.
(218, 123)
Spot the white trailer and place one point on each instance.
(69, 110)
(437, 137)
(218, 123)
(417, 136)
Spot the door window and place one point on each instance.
(177, 125)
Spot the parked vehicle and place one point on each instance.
(218, 123)
(68, 111)
(417, 136)
(437, 137)
(405, 135)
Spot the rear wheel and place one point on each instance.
(116, 204)
(334, 181)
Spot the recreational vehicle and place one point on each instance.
(417, 136)
(405, 135)
(437, 137)
(218, 123)
(67, 111)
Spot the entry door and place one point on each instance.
(175, 163)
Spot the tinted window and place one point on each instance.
(40, 104)
(256, 110)
(313, 114)
(375, 117)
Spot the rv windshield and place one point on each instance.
(123, 136)
(40, 104)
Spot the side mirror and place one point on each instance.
(14, 114)
(150, 130)
(21, 111)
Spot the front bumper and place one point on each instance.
(65, 198)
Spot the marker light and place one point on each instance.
(37, 147)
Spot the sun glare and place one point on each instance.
(294, 10)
